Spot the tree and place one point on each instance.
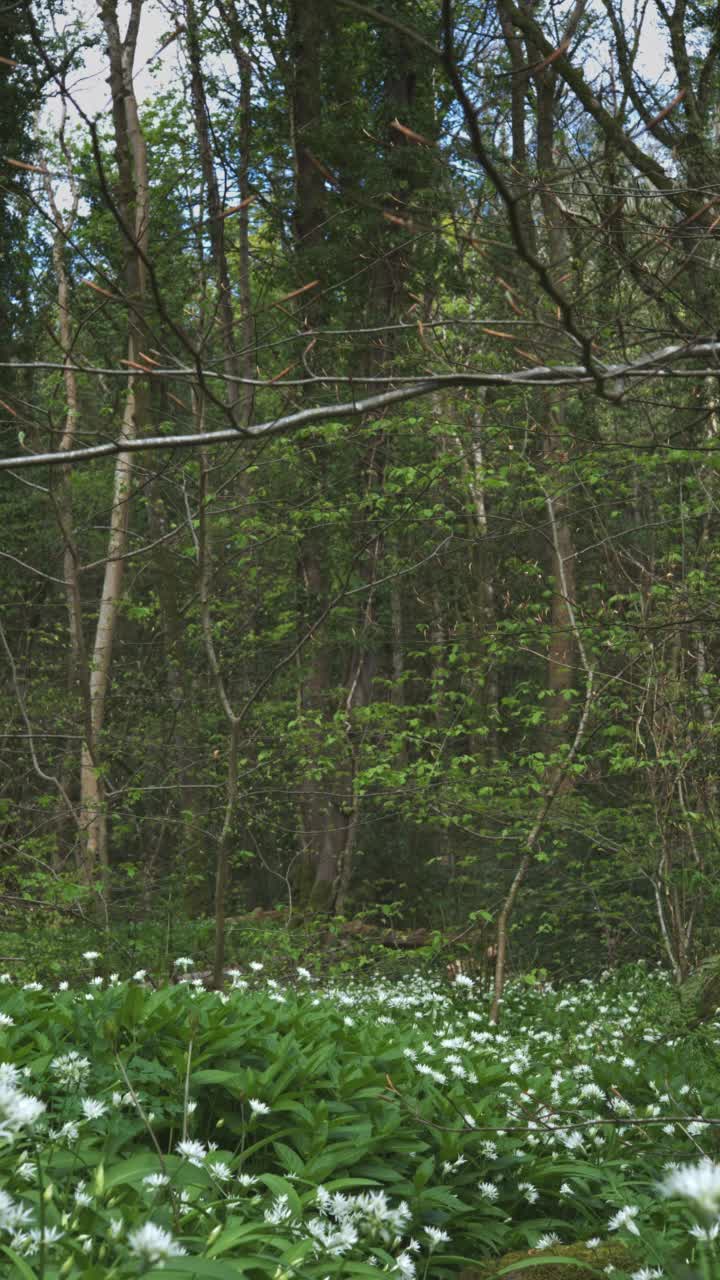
(417, 405)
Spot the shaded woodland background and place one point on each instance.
(451, 657)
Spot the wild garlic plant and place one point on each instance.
(348, 1129)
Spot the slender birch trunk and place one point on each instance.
(134, 208)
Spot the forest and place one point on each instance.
(359, 419)
(359, 569)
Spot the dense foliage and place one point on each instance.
(303, 1129)
(404, 661)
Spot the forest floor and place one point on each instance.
(334, 1127)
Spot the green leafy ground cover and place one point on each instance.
(307, 1129)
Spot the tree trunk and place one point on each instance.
(133, 207)
(564, 634)
(483, 604)
(216, 222)
(78, 671)
(331, 809)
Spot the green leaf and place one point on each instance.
(289, 1158)
(544, 1261)
(21, 1266)
(132, 1170)
(215, 1075)
(281, 1187)
(203, 1268)
(233, 1234)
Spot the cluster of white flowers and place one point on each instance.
(699, 1183)
(12, 1215)
(624, 1220)
(27, 1243)
(93, 1108)
(154, 1244)
(18, 1110)
(71, 1069)
(279, 1212)
(547, 1240)
(193, 1151)
(451, 1041)
(346, 1220)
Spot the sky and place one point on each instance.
(153, 70)
(157, 70)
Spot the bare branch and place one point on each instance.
(652, 365)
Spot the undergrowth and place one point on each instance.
(306, 1128)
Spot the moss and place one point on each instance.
(615, 1254)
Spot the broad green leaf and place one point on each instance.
(22, 1268)
(545, 1260)
(132, 1170)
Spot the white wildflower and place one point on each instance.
(591, 1090)
(705, 1233)
(547, 1240)
(29, 1242)
(625, 1218)
(279, 1212)
(93, 1108)
(436, 1237)
(695, 1127)
(18, 1110)
(191, 1150)
(699, 1183)
(154, 1244)
(462, 980)
(12, 1215)
(572, 1139)
(404, 1266)
(70, 1068)
(335, 1240)
(67, 1133)
(258, 1108)
(488, 1190)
